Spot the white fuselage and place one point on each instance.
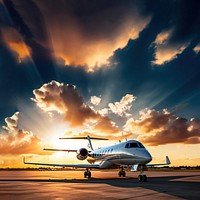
(125, 153)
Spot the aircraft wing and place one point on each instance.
(67, 150)
(160, 164)
(137, 167)
(63, 165)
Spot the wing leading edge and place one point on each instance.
(63, 165)
(67, 150)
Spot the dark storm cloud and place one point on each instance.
(83, 33)
(18, 79)
(96, 19)
(41, 56)
(34, 19)
(157, 87)
(186, 20)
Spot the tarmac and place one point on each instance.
(59, 185)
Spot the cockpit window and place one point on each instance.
(132, 145)
(141, 145)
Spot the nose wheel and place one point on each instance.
(87, 173)
(142, 177)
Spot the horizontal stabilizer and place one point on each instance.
(78, 138)
(67, 150)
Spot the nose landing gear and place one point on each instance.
(142, 177)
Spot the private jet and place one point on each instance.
(130, 154)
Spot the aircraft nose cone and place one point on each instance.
(147, 157)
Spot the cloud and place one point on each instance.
(120, 108)
(150, 120)
(162, 127)
(181, 31)
(14, 41)
(95, 100)
(65, 99)
(106, 125)
(84, 33)
(14, 140)
(165, 50)
(197, 48)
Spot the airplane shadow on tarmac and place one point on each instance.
(169, 185)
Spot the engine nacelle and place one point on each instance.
(82, 154)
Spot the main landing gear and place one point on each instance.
(142, 177)
(122, 172)
(87, 173)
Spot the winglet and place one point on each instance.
(168, 162)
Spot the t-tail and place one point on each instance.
(85, 137)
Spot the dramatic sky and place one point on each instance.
(116, 69)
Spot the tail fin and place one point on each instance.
(85, 137)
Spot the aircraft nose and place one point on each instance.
(147, 157)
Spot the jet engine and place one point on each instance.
(82, 154)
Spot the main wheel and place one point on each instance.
(85, 174)
(120, 173)
(123, 173)
(140, 178)
(144, 178)
(89, 174)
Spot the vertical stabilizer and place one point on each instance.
(90, 143)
